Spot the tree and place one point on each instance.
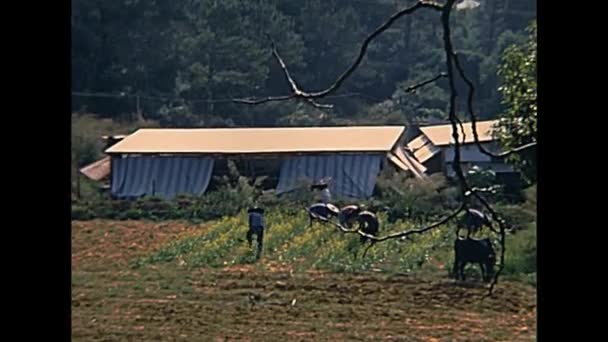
(518, 122)
(180, 62)
(222, 52)
(121, 47)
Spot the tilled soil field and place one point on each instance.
(111, 301)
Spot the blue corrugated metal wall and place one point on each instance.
(352, 175)
(166, 177)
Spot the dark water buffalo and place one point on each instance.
(321, 212)
(474, 251)
(368, 223)
(348, 215)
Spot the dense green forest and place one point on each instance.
(179, 63)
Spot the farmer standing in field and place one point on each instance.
(326, 195)
(256, 226)
(323, 185)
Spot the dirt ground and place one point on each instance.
(267, 302)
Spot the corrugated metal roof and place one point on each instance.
(426, 152)
(411, 162)
(397, 161)
(417, 143)
(423, 148)
(261, 140)
(441, 135)
(97, 170)
(407, 163)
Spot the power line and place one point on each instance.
(145, 97)
(123, 95)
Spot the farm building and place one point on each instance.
(434, 148)
(98, 171)
(168, 162)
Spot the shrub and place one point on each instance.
(520, 256)
(516, 216)
(415, 199)
(83, 213)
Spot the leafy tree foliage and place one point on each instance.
(518, 124)
(180, 62)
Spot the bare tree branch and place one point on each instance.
(394, 235)
(294, 87)
(299, 93)
(257, 101)
(264, 100)
(420, 230)
(449, 51)
(363, 49)
(473, 117)
(464, 135)
(517, 149)
(450, 55)
(423, 83)
(319, 105)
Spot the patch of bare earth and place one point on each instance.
(104, 242)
